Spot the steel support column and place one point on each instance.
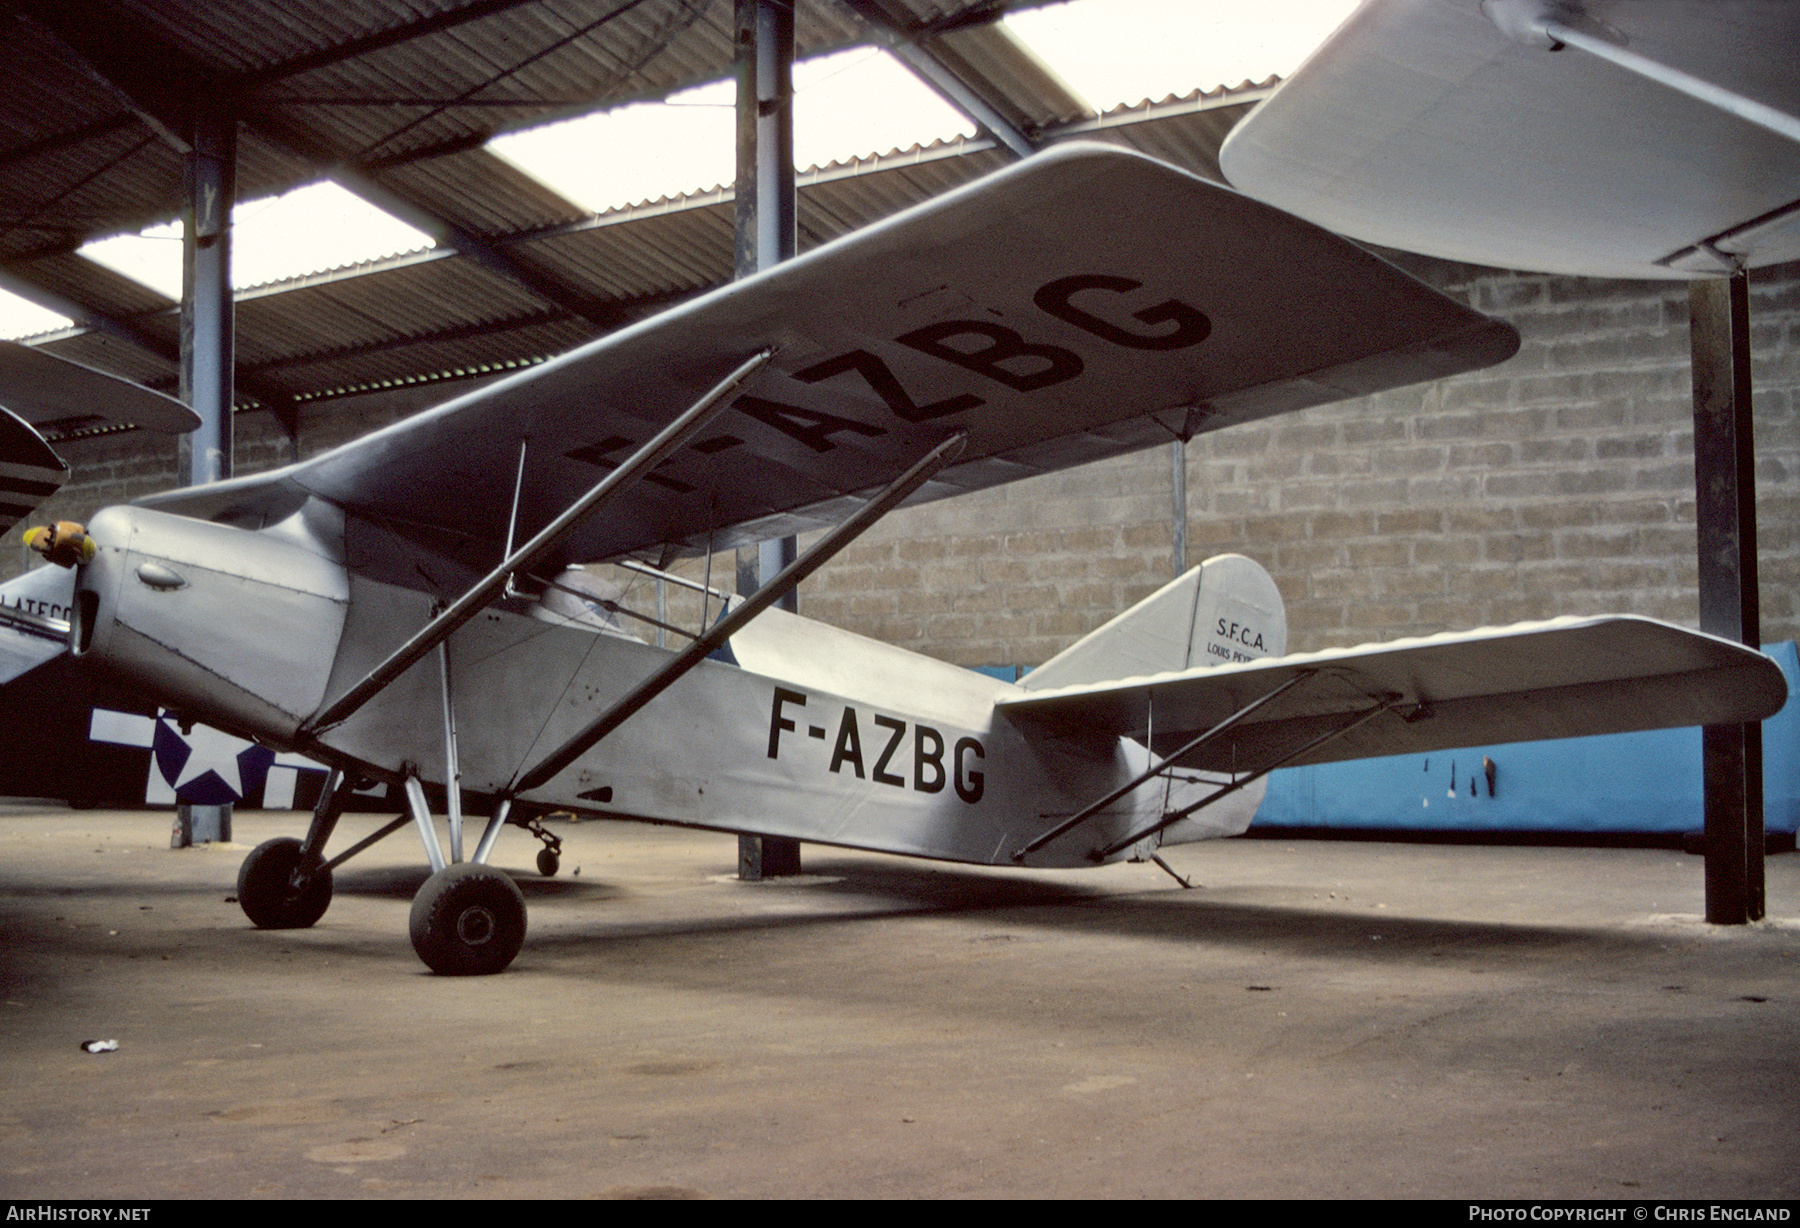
(210, 171)
(766, 208)
(766, 235)
(1725, 494)
(765, 134)
(206, 303)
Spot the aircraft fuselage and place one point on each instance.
(814, 733)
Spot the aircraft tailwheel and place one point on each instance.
(548, 862)
(468, 920)
(267, 891)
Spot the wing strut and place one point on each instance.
(609, 488)
(853, 527)
(1553, 26)
(1156, 769)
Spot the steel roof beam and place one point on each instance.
(96, 319)
(975, 97)
(124, 58)
(86, 315)
(484, 252)
(631, 307)
(127, 57)
(381, 40)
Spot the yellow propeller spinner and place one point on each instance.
(64, 543)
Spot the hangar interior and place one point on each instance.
(1559, 482)
(1328, 1020)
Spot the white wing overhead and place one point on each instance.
(1564, 678)
(1420, 125)
(1085, 303)
(40, 392)
(55, 393)
(30, 470)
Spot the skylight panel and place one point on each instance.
(309, 230)
(20, 317)
(312, 230)
(864, 101)
(634, 153)
(846, 105)
(1124, 51)
(151, 258)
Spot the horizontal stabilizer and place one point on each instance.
(1564, 678)
(56, 395)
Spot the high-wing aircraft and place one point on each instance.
(381, 607)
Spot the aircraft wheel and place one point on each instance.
(266, 889)
(468, 920)
(548, 862)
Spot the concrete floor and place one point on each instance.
(1318, 1019)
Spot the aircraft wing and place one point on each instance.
(1421, 125)
(1086, 302)
(1563, 678)
(40, 392)
(56, 394)
(30, 470)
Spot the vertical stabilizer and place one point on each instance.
(1226, 609)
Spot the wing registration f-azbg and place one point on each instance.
(388, 608)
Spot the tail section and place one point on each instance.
(1225, 610)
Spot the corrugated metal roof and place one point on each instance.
(1041, 100)
(89, 90)
(647, 251)
(77, 278)
(1186, 131)
(356, 312)
(109, 353)
(481, 191)
(396, 97)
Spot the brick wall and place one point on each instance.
(1560, 482)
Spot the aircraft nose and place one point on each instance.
(65, 543)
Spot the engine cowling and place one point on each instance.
(229, 626)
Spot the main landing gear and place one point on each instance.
(278, 890)
(467, 920)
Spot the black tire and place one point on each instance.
(266, 889)
(468, 920)
(548, 862)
